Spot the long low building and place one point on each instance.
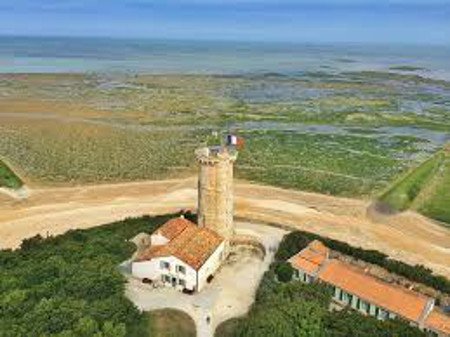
(365, 293)
(180, 255)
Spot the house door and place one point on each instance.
(174, 282)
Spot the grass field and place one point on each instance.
(8, 178)
(425, 188)
(335, 164)
(227, 328)
(170, 323)
(78, 152)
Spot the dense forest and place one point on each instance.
(69, 285)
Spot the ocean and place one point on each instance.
(104, 55)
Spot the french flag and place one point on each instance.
(233, 140)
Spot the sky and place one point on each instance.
(374, 21)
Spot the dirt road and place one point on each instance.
(409, 236)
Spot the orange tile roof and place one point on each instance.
(193, 245)
(438, 321)
(310, 258)
(174, 227)
(396, 299)
(299, 263)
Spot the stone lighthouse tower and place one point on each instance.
(215, 189)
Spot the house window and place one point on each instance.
(350, 299)
(165, 278)
(432, 333)
(336, 293)
(164, 265)
(182, 283)
(364, 306)
(181, 269)
(344, 297)
(384, 314)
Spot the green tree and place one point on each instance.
(285, 319)
(284, 271)
(348, 323)
(114, 330)
(86, 327)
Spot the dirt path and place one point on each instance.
(408, 236)
(18, 194)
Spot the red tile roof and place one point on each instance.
(192, 245)
(438, 321)
(396, 299)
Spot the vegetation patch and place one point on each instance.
(425, 188)
(437, 203)
(406, 68)
(327, 163)
(402, 193)
(8, 178)
(170, 323)
(70, 285)
(79, 153)
(228, 327)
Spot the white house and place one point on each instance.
(181, 255)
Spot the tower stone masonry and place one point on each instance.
(215, 189)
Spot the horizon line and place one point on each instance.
(229, 40)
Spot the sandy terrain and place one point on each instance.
(409, 237)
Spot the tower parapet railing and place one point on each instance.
(210, 155)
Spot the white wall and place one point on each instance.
(145, 269)
(210, 266)
(152, 270)
(158, 239)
